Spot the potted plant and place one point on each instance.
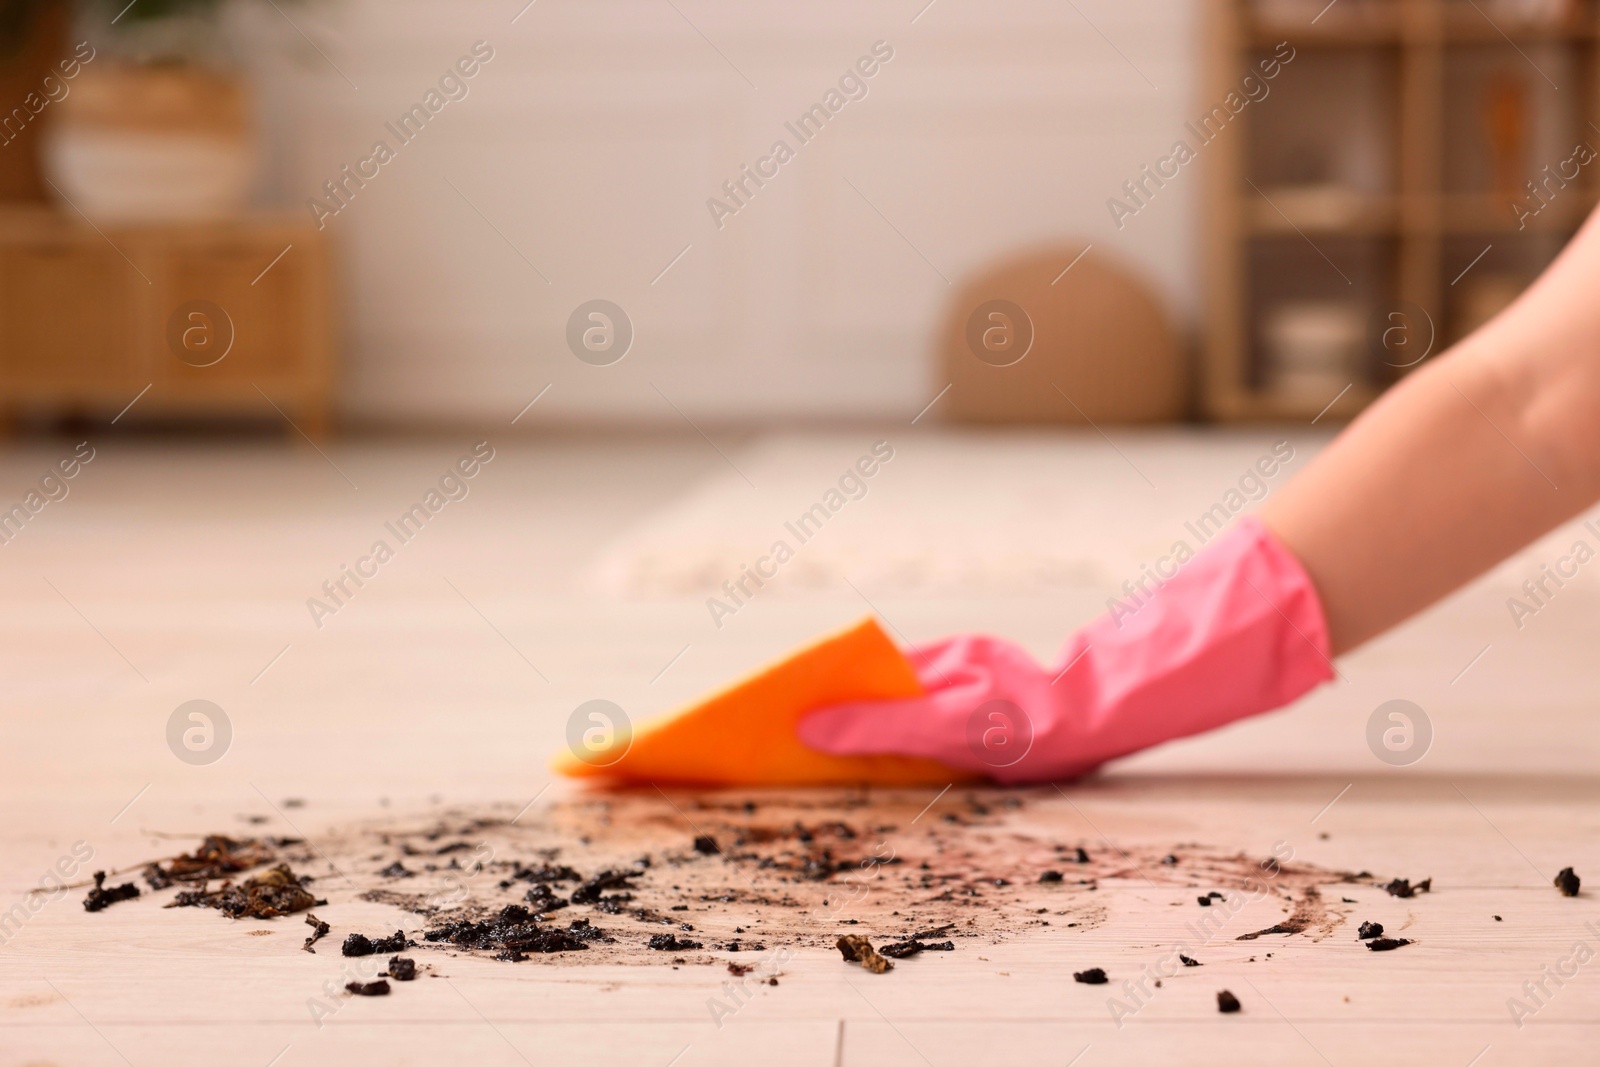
(158, 124)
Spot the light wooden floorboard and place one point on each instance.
(182, 574)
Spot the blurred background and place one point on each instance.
(1274, 200)
(275, 273)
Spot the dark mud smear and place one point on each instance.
(601, 877)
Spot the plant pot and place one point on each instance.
(153, 143)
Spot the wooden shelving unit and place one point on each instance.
(1379, 164)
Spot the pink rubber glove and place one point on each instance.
(1239, 630)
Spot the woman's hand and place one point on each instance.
(1237, 631)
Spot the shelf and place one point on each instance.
(1489, 213)
(1378, 154)
(1285, 210)
(1264, 405)
(1289, 211)
(1385, 28)
(1339, 26)
(1467, 24)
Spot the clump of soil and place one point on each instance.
(101, 898)
(1388, 944)
(361, 945)
(671, 943)
(541, 898)
(921, 941)
(1402, 887)
(1368, 931)
(590, 891)
(402, 969)
(217, 857)
(1093, 976)
(515, 932)
(1567, 882)
(1227, 1003)
(544, 873)
(274, 892)
(857, 949)
(378, 988)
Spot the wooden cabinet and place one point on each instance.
(65, 308)
(229, 320)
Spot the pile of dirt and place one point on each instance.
(652, 877)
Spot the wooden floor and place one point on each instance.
(173, 572)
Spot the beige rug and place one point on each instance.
(951, 512)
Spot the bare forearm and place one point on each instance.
(1466, 461)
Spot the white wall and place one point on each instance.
(593, 139)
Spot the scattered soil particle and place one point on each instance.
(1093, 976)
(706, 845)
(1169, 860)
(671, 943)
(1082, 856)
(1187, 962)
(1369, 931)
(1050, 876)
(739, 970)
(379, 988)
(1567, 882)
(1205, 901)
(101, 898)
(1498, 919)
(402, 969)
(1402, 887)
(1386, 944)
(1227, 1003)
(319, 930)
(274, 892)
(395, 870)
(857, 949)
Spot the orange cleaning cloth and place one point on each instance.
(744, 735)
